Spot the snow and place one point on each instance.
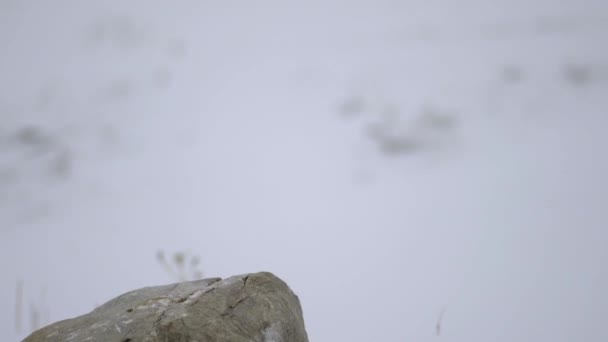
(229, 129)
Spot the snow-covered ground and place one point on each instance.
(388, 159)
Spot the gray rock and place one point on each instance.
(256, 307)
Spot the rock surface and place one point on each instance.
(256, 307)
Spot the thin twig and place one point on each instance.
(18, 305)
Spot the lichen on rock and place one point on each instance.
(256, 307)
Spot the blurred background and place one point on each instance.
(414, 170)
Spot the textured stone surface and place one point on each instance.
(254, 307)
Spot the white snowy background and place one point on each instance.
(390, 160)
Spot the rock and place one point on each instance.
(256, 307)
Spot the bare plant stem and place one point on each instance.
(18, 305)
